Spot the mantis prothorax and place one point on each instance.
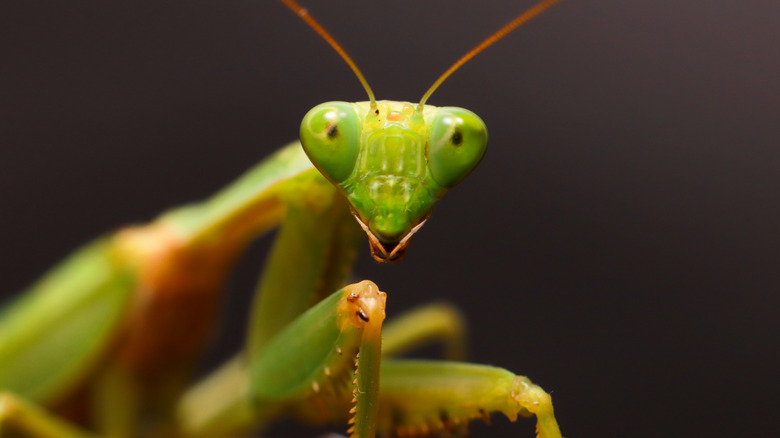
(106, 340)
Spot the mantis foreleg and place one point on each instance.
(329, 354)
(420, 395)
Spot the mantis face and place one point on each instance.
(393, 162)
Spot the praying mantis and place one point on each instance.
(105, 327)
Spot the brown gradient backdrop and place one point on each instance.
(619, 244)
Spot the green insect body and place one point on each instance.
(104, 344)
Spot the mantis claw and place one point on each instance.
(535, 401)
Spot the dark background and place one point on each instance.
(619, 243)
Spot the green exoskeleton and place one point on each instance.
(104, 344)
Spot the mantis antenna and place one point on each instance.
(489, 41)
(304, 14)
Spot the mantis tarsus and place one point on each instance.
(105, 328)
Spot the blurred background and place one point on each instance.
(619, 244)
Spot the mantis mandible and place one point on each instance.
(103, 345)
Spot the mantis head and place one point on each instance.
(392, 161)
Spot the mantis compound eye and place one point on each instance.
(330, 134)
(456, 143)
